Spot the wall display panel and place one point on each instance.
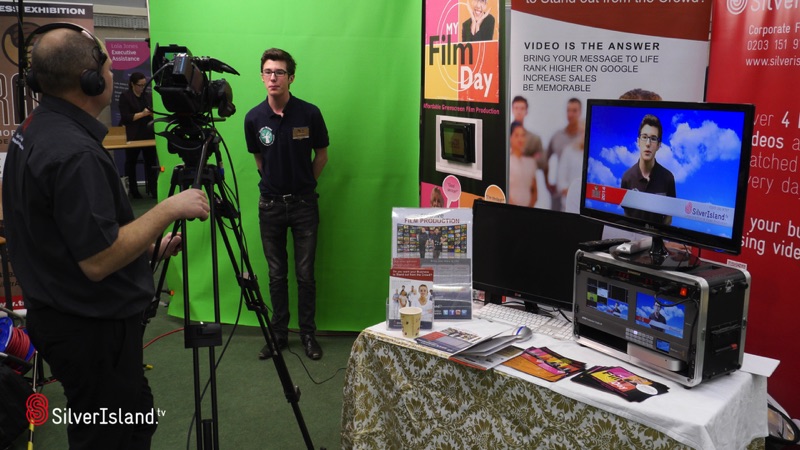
(463, 80)
(759, 42)
(562, 54)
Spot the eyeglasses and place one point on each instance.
(140, 85)
(649, 139)
(278, 73)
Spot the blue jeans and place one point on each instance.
(276, 217)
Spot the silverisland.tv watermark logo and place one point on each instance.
(37, 413)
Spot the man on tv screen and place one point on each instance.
(657, 319)
(647, 175)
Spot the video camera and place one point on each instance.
(187, 92)
(185, 89)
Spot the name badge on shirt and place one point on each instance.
(301, 133)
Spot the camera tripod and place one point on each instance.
(198, 335)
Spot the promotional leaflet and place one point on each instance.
(410, 287)
(545, 364)
(622, 382)
(439, 239)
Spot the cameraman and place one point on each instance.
(81, 258)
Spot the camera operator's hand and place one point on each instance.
(170, 245)
(189, 204)
(136, 237)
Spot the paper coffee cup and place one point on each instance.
(411, 317)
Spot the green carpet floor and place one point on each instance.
(253, 411)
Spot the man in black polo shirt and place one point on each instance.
(289, 140)
(647, 175)
(80, 257)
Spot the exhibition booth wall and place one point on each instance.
(360, 63)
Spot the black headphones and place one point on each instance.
(92, 81)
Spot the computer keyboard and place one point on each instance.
(550, 326)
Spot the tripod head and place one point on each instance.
(192, 139)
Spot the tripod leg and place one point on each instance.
(209, 334)
(255, 303)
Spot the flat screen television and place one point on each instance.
(671, 170)
(527, 253)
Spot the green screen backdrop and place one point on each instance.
(359, 63)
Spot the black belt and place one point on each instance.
(288, 198)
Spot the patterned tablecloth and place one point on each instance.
(401, 396)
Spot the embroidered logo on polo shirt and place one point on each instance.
(266, 136)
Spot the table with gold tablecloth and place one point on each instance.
(399, 395)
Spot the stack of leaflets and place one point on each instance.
(486, 361)
(622, 382)
(545, 364)
(465, 335)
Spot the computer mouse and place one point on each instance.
(523, 333)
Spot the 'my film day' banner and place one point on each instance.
(755, 58)
(563, 53)
(463, 125)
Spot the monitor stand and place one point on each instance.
(532, 307)
(497, 299)
(659, 257)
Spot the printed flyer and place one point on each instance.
(439, 239)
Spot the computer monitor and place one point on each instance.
(527, 253)
(672, 170)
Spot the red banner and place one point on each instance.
(755, 58)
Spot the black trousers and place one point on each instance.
(99, 364)
(150, 173)
(276, 218)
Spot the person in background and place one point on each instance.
(533, 143)
(423, 236)
(413, 297)
(560, 140)
(438, 242)
(426, 303)
(570, 169)
(289, 140)
(437, 198)
(657, 319)
(480, 25)
(135, 109)
(532, 147)
(640, 94)
(522, 188)
(79, 254)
